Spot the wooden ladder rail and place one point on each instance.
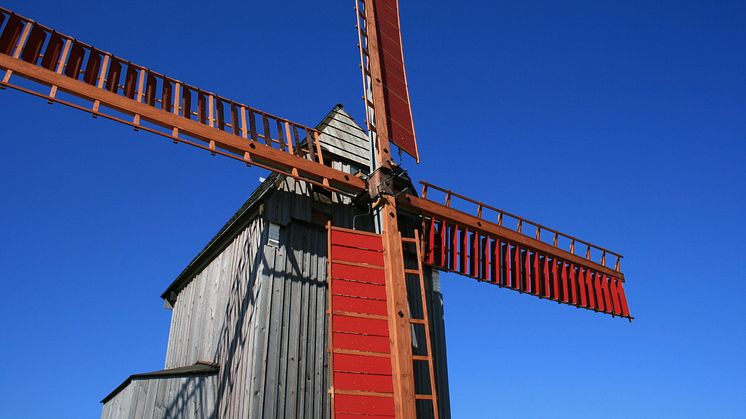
(425, 321)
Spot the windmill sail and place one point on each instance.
(384, 73)
(528, 258)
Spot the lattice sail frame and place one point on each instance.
(112, 87)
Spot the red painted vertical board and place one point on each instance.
(463, 251)
(607, 293)
(536, 273)
(454, 248)
(622, 299)
(591, 291)
(555, 280)
(508, 266)
(599, 293)
(443, 244)
(430, 248)
(475, 255)
(527, 272)
(615, 303)
(496, 258)
(574, 284)
(517, 268)
(581, 288)
(565, 283)
(486, 274)
(546, 277)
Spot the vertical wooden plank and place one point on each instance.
(565, 282)
(112, 79)
(453, 259)
(591, 290)
(75, 60)
(211, 110)
(600, 303)
(52, 52)
(608, 306)
(33, 46)
(528, 285)
(581, 289)
(573, 284)
(508, 266)
(518, 268)
(555, 281)
(536, 274)
(244, 127)
(485, 263)
(430, 246)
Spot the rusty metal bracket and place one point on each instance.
(391, 181)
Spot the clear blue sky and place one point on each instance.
(623, 122)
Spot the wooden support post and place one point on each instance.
(100, 82)
(244, 130)
(138, 95)
(398, 308)
(210, 110)
(289, 138)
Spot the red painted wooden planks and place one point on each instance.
(358, 273)
(396, 94)
(349, 254)
(359, 289)
(360, 325)
(359, 305)
(363, 405)
(359, 241)
(362, 364)
(363, 382)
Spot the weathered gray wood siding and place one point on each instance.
(258, 311)
(184, 397)
(341, 136)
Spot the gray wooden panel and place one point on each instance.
(157, 398)
(342, 136)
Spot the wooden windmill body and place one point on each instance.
(320, 298)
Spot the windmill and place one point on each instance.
(369, 297)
